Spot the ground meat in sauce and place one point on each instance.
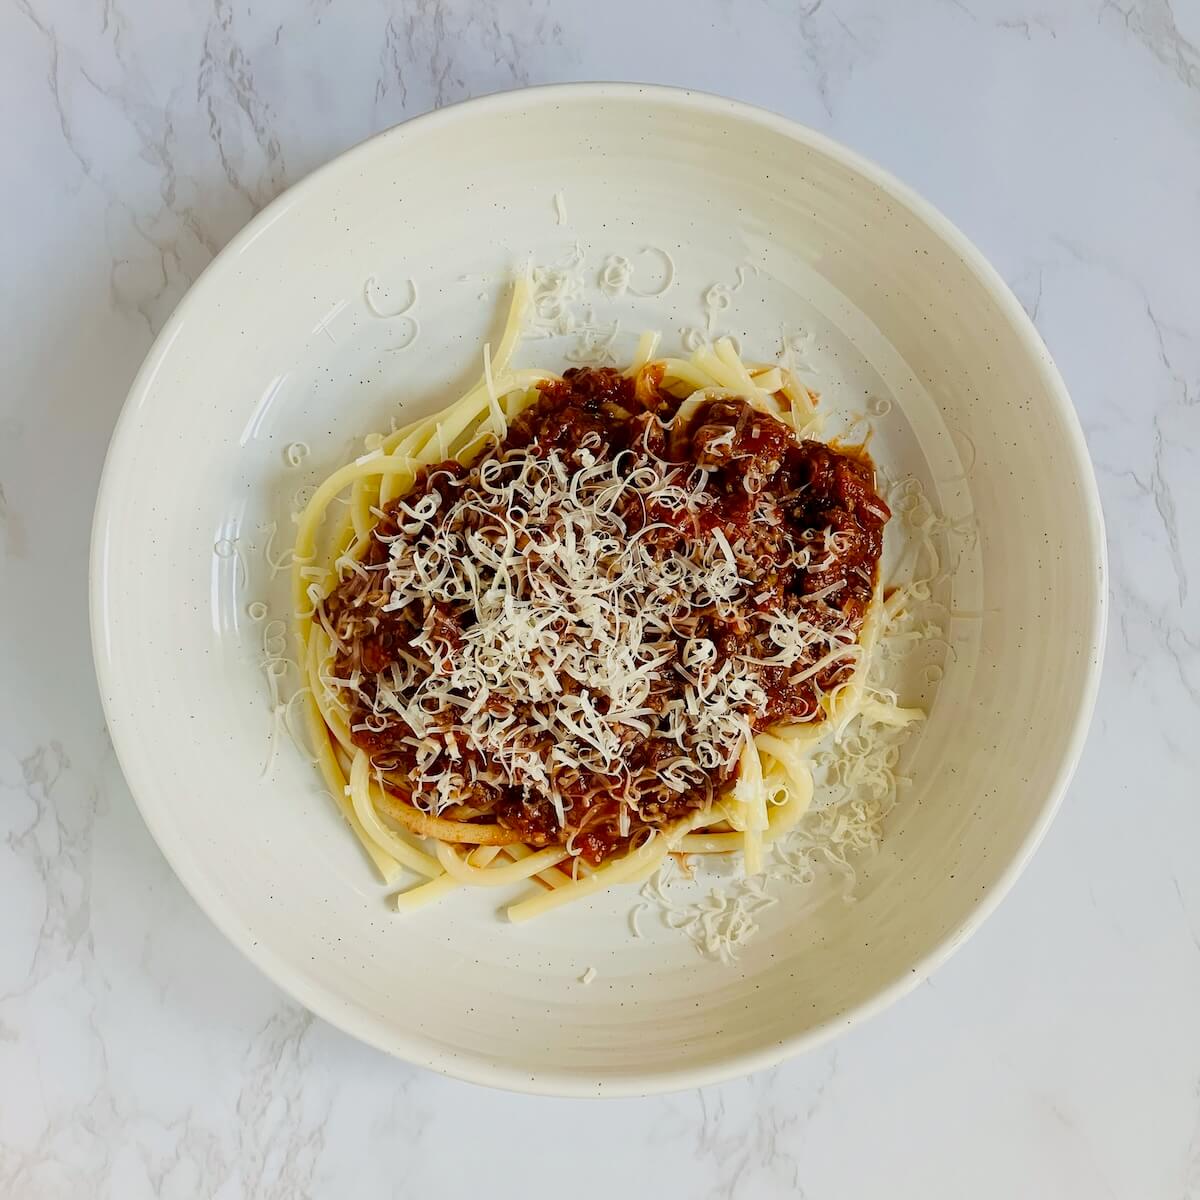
(818, 499)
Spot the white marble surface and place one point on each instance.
(1058, 1055)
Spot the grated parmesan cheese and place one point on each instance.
(371, 285)
(228, 548)
(295, 453)
(574, 622)
(614, 275)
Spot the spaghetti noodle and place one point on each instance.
(575, 623)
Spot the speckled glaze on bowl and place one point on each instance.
(280, 341)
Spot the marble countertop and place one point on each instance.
(1057, 1055)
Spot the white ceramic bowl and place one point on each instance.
(277, 342)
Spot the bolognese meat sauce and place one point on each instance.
(800, 524)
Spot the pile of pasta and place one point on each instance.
(773, 785)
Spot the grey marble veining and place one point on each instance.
(1058, 1055)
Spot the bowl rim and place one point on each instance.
(414, 1048)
